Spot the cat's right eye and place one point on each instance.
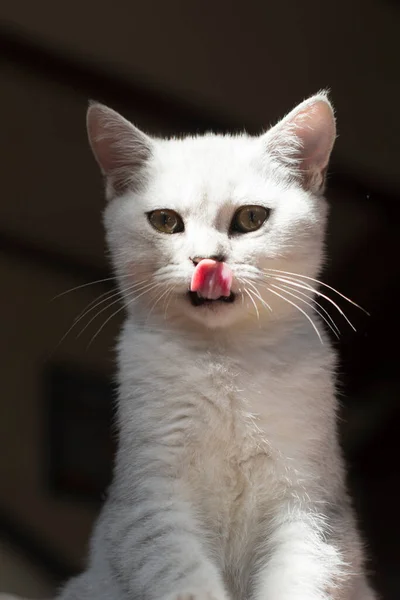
(249, 218)
(166, 221)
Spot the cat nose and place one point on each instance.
(217, 257)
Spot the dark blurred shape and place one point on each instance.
(79, 402)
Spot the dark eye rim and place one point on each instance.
(235, 230)
(180, 224)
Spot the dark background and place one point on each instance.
(175, 67)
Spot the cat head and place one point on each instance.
(251, 205)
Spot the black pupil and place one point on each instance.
(250, 219)
(168, 221)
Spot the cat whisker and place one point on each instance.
(254, 304)
(333, 329)
(160, 296)
(97, 302)
(105, 323)
(243, 290)
(81, 315)
(143, 287)
(258, 294)
(84, 285)
(320, 307)
(109, 293)
(308, 287)
(168, 301)
(115, 293)
(151, 287)
(298, 275)
(94, 304)
(299, 309)
(259, 298)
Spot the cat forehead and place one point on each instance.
(221, 168)
(209, 154)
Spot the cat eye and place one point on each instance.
(249, 218)
(166, 221)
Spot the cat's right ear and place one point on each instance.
(303, 140)
(120, 149)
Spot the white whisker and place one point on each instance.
(319, 283)
(162, 295)
(155, 285)
(110, 294)
(306, 286)
(259, 298)
(328, 316)
(258, 294)
(82, 314)
(300, 309)
(84, 285)
(168, 301)
(98, 313)
(308, 304)
(134, 287)
(320, 307)
(105, 323)
(143, 287)
(254, 304)
(94, 304)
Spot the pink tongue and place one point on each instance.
(211, 279)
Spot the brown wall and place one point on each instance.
(246, 61)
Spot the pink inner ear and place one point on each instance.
(99, 138)
(120, 149)
(109, 136)
(314, 126)
(302, 142)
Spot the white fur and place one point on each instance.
(229, 481)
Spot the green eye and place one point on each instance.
(249, 218)
(166, 221)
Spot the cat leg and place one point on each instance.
(156, 550)
(299, 563)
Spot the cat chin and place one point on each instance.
(215, 320)
(214, 315)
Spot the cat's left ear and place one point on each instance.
(303, 141)
(121, 149)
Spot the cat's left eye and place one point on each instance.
(166, 221)
(249, 218)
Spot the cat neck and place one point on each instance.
(250, 334)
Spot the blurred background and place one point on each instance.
(176, 67)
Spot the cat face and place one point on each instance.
(251, 203)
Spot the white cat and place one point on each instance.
(229, 481)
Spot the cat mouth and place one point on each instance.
(197, 299)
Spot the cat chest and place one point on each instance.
(229, 465)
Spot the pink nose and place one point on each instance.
(217, 257)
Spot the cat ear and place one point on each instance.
(120, 149)
(303, 141)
